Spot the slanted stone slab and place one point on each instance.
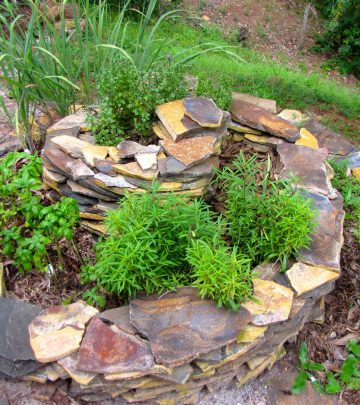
(304, 278)
(53, 176)
(66, 165)
(57, 331)
(327, 138)
(294, 116)
(9, 143)
(261, 119)
(308, 166)
(80, 198)
(353, 160)
(128, 149)
(108, 349)
(105, 166)
(120, 317)
(94, 227)
(307, 139)
(178, 375)
(242, 129)
(264, 140)
(181, 327)
(147, 161)
(132, 169)
(170, 168)
(172, 116)
(356, 172)
(74, 120)
(15, 317)
(267, 104)
(113, 181)
(190, 151)
(250, 333)
(69, 365)
(78, 188)
(161, 132)
(203, 111)
(93, 153)
(327, 237)
(274, 303)
(70, 144)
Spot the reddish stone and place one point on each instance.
(107, 349)
(261, 119)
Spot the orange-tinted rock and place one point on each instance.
(308, 166)
(327, 237)
(190, 151)
(178, 126)
(335, 143)
(181, 327)
(261, 119)
(203, 111)
(107, 349)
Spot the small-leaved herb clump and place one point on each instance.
(349, 187)
(268, 220)
(153, 244)
(28, 224)
(128, 97)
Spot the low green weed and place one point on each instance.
(328, 382)
(158, 242)
(267, 219)
(218, 89)
(349, 188)
(27, 225)
(128, 99)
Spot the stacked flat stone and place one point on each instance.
(190, 132)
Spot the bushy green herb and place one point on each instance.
(128, 98)
(327, 382)
(158, 241)
(220, 273)
(27, 226)
(267, 219)
(218, 89)
(349, 188)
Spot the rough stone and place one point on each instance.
(327, 237)
(70, 144)
(258, 146)
(9, 143)
(147, 161)
(105, 167)
(87, 137)
(181, 327)
(250, 333)
(80, 198)
(274, 303)
(235, 126)
(352, 159)
(203, 111)
(266, 140)
(307, 139)
(78, 188)
(120, 317)
(94, 227)
(261, 119)
(74, 120)
(170, 168)
(128, 149)
(108, 349)
(190, 151)
(269, 105)
(113, 181)
(335, 143)
(93, 153)
(304, 278)
(69, 365)
(178, 375)
(57, 331)
(75, 169)
(15, 317)
(132, 169)
(161, 132)
(294, 116)
(91, 183)
(308, 166)
(212, 357)
(53, 176)
(172, 116)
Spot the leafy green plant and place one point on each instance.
(157, 242)
(267, 219)
(220, 273)
(329, 382)
(218, 89)
(349, 187)
(28, 225)
(128, 99)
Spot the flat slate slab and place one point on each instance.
(120, 317)
(327, 237)
(70, 144)
(132, 169)
(128, 149)
(203, 111)
(267, 104)
(263, 120)
(107, 349)
(327, 138)
(172, 168)
(308, 166)
(71, 121)
(181, 327)
(191, 151)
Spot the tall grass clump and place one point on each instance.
(156, 242)
(268, 220)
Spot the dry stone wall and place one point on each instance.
(169, 349)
